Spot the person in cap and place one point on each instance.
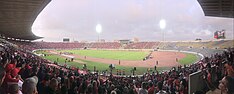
(30, 85)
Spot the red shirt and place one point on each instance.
(9, 78)
(151, 90)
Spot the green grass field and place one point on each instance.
(107, 54)
(190, 58)
(99, 66)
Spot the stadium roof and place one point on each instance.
(17, 17)
(218, 8)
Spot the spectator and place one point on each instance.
(143, 89)
(2, 75)
(113, 92)
(229, 69)
(151, 89)
(95, 88)
(227, 85)
(14, 89)
(30, 85)
(160, 86)
(52, 88)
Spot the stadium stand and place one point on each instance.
(105, 45)
(206, 48)
(142, 45)
(138, 45)
(21, 65)
(196, 46)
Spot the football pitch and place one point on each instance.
(190, 58)
(110, 54)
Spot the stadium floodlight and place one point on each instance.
(98, 28)
(162, 24)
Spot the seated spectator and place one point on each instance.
(30, 85)
(227, 85)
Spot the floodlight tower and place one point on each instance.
(99, 30)
(162, 25)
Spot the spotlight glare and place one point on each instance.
(162, 24)
(98, 28)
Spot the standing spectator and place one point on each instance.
(30, 85)
(229, 69)
(151, 89)
(14, 89)
(160, 86)
(143, 89)
(2, 77)
(52, 88)
(227, 85)
(95, 87)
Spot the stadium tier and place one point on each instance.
(25, 66)
(142, 45)
(206, 48)
(115, 45)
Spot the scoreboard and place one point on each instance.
(219, 34)
(66, 39)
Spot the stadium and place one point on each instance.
(165, 60)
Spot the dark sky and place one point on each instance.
(127, 19)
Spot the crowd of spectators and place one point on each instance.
(104, 45)
(142, 45)
(65, 45)
(207, 45)
(25, 73)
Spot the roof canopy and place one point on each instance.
(17, 17)
(218, 8)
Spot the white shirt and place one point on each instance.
(162, 92)
(143, 91)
